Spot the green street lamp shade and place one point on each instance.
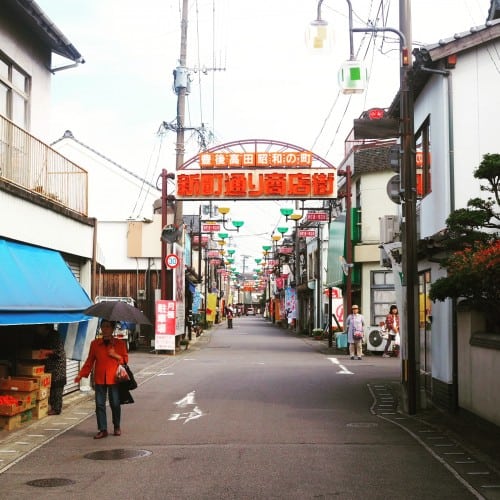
(352, 77)
(233, 269)
(223, 236)
(266, 248)
(258, 260)
(282, 230)
(231, 261)
(237, 223)
(286, 211)
(231, 251)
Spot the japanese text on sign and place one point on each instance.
(165, 325)
(248, 184)
(263, 159)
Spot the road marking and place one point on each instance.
(187, 416)
(343, 369)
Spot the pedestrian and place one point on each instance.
(355, 332)
(49, 340)
(105, 355)
(229, 315)
(392, 328)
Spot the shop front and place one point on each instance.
(38, 287)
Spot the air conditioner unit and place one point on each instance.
(375, 339)
(389, 228)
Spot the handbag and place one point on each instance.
(131, 383)
(358, 335)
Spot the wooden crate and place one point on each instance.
(32, 354)
(10, 423)
(30, 369)
(26, 400)
(41, 409)
(19, 384)
(42, 393)
(44, 380)
(9, 409)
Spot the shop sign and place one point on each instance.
(262, 159)
(307, 233)
(317, 183)
(165, 325)
(317, 216)
(210, 227)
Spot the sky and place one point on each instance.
(260, 79)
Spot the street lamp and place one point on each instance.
(236, 223)
(409, 309)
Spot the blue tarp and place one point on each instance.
(37, 286)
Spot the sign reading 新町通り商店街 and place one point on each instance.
(257, 184)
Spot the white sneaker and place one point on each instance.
(386, 356)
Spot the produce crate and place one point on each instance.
(42, 393)
(44, 380)
(10, 423)
(29, 369)
(12, 408)
(26, 416)
(32, 354)
(25, 384)
(41, 409)
(25, 400)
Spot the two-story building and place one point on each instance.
(45, 230)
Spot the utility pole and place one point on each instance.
(181, 87)
(410, 367)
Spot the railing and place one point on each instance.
(34, 166)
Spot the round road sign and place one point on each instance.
(171, 261)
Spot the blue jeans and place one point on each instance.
(100, 405)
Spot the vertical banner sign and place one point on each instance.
(165, 325)
(179, 289)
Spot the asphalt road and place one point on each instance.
(248, 413)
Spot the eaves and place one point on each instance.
(433, 56)
(36, 21)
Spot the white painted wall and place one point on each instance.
(375, 204)
(35, 61)
(35, 225)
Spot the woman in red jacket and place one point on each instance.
(105, 355)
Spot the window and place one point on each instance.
(14, 92)
(383, 295)
(423, 159)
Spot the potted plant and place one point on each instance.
(317, 333)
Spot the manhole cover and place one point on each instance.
(118, 454)
(362, 424)
(50, 482)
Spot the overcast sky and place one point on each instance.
(265, 84)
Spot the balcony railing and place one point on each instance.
(34, 166)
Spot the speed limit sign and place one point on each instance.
(171, 261)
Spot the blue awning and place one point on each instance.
(37, 286)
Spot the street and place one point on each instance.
(251, 412)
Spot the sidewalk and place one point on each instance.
(478, 436)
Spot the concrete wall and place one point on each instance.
(478, 371)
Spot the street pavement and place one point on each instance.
(468, 448)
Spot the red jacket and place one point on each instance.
(103, 364)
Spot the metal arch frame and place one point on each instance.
(269, 143)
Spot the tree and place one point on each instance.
(473, 266)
